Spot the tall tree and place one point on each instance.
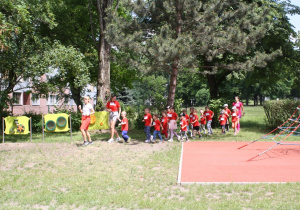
(21, 40)
(171, 35)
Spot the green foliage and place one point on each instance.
(216, 105)
(36, 121)
(279, 111)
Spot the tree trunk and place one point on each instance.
(172, 86)
(173, 79)
(103, 82)
(260, 100)
(213, 87)
(76, 96)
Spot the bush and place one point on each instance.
(216, 105)
(277, 112)
(36, 120)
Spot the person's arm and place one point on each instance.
(151, 121)
(242, 109)
(79, 108)
(212, 115)
(92, 110)
(119, 112)
(107, 107)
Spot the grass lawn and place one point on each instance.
(60, 174)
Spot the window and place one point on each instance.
(26, 98)
(35, 100)
(17, 98)
(52, 100)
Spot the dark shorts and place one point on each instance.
(196, 128)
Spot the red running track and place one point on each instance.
(222, 162)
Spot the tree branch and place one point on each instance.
(117, 6)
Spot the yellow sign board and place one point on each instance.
(17, 125)
(101, 122)
(56, 122)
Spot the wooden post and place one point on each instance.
(30, 129)
(70, 126)
(3, 129)
(43, 127)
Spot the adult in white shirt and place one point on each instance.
(85, 120)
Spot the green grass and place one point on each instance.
(61, 174)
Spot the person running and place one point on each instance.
(148, 121)
(209, 116)
(190, 118)
(234, 119)
(223, 120)
(183, 127)
(85, 120)
(228, 113)
(240, 110)
(173, 125)
(196, 124)
(187, 118)
(202, 121)
(164, 124)
(114, 109)
(124, 127)
(156, 125)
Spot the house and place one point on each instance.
(25, 102)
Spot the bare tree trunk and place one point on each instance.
(213, 87)
(172, 86)
(103, 82)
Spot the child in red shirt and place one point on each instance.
(202, 121)
(209, 115)
(156, 124)
(164, 124)
(223, 120)
(196, 124)
(148, 121)
(183, 127)
(124, 128)
(228, 113)
(234, 119)
(190, 118)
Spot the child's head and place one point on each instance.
(225, 106)
(201, 111)
(195, 111)
(222, 111)
(164, 114)
(147, 110)
(172, 109)
(207, 108)
(168, 108)
(182, 116)
(184, 111)
(123, 114)
(234, 109)
(192, 109)
(155, 116)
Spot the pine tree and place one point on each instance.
(207, 36)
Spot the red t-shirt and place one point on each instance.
(169, 115)
(195, 118)
(234, 116)
(164, 122)
(183, 122)
(228, 111)
(174, 116)
(156, 124)
(223, 119)
(113, 105)
(191, 117)
(203, 119)
(187, 118)
(147, 119)
(124, 124)
(208, 115)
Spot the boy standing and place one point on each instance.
(184, 127)
(148, 121)
(228, 113)
(223, 120)
(202, 121)
(196, 124)
(209, 115)
(156, 125)
(164, 123)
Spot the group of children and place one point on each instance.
(166, 125)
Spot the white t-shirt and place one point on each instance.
(87, 109)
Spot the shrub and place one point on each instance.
(216, 105)
(278, 112)
(36, 120)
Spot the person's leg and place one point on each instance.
(124, 135)
(112, 128)
(83, 134)
(209, 127)
(148, 132)
(171, 133)
(88, 135)
(159, 136)
(154, 135)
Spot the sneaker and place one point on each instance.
(161, 141)
(170, 140)
(178, 138)
(128, 140)
(147, 141)
(110, 140)
(85, 143)
(194, 137)
(187, 140)
(153, 140)
(118, 139)
(90, 142)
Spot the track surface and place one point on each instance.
(218, 162)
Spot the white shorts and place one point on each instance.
(113, 116)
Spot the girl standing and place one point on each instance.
(240, 110)
(85, 120)
(114, 109)
(173, 125)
